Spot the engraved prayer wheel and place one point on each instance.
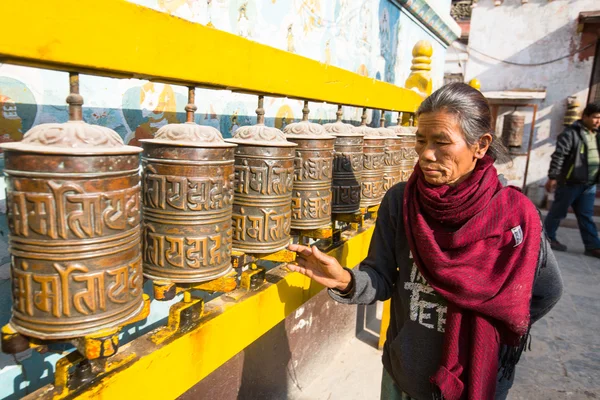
(347, 166)
(373, 154)
(187, 200)
(512, 129)
(263, 182)
(313, 164)
(392, 173)
(73, 199)
(409, 156)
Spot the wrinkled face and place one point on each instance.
(591, 121)
(444, 155)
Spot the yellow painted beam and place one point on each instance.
(385, 323)
(121, 39)
(167, 370)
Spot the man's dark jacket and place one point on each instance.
(569, 162)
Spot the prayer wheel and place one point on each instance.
(373, 154)
(311, 198)
(409, 156)
(187, 200)
(73, 199)
(263, 183)
(392, 173)
(512, 129)
(347, 166)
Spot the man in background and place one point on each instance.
(573, 175)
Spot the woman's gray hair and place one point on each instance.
(472, 111)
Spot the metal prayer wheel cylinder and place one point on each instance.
(347, 167)
(392, 173)
(73, 196)
(313, 167)
(372, 191)
(409, 156)
(512, 129)
(187, 200)
(263, 182)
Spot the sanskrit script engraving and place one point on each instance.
(166, 250)
(268, 226)
(388, 182)
(373, 161)
(315, 169)
(372, 190)
(347, 162)
(186, 193)
(311, 208)
(270, 178)
(393, 157)
(73, 289)
(68, 209)
(346, 194)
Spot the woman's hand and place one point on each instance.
(320, 267)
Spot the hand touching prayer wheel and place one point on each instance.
(372, 176)
(73, 197)
(264, 177)
(188, 199)
(311, 198)
(347, 166)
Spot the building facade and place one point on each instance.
(529, 53)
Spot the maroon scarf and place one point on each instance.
(462, 243)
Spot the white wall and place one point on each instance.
(531, 33)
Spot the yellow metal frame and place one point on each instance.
(121, 39)
(166, 370)
(124, 40)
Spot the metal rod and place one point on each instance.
(260, 111)
(74, 99)
(191, 108)
(305, 111)
(339, 113)
(399, 120)
(382, 119)
(363, 118)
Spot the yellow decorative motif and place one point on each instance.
(290, 39)
(474, 83)
(419, 79)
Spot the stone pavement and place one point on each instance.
(564, 361)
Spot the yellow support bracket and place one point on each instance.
(320, 233)
(171, 367)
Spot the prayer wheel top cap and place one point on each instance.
(340, 129)
(386, 132)
(260, 135)
(367, 132)
(189, 134)
(405, 130)
(306, 130)
(71, 138)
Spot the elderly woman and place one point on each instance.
(463, 259)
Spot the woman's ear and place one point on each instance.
(483, 144)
